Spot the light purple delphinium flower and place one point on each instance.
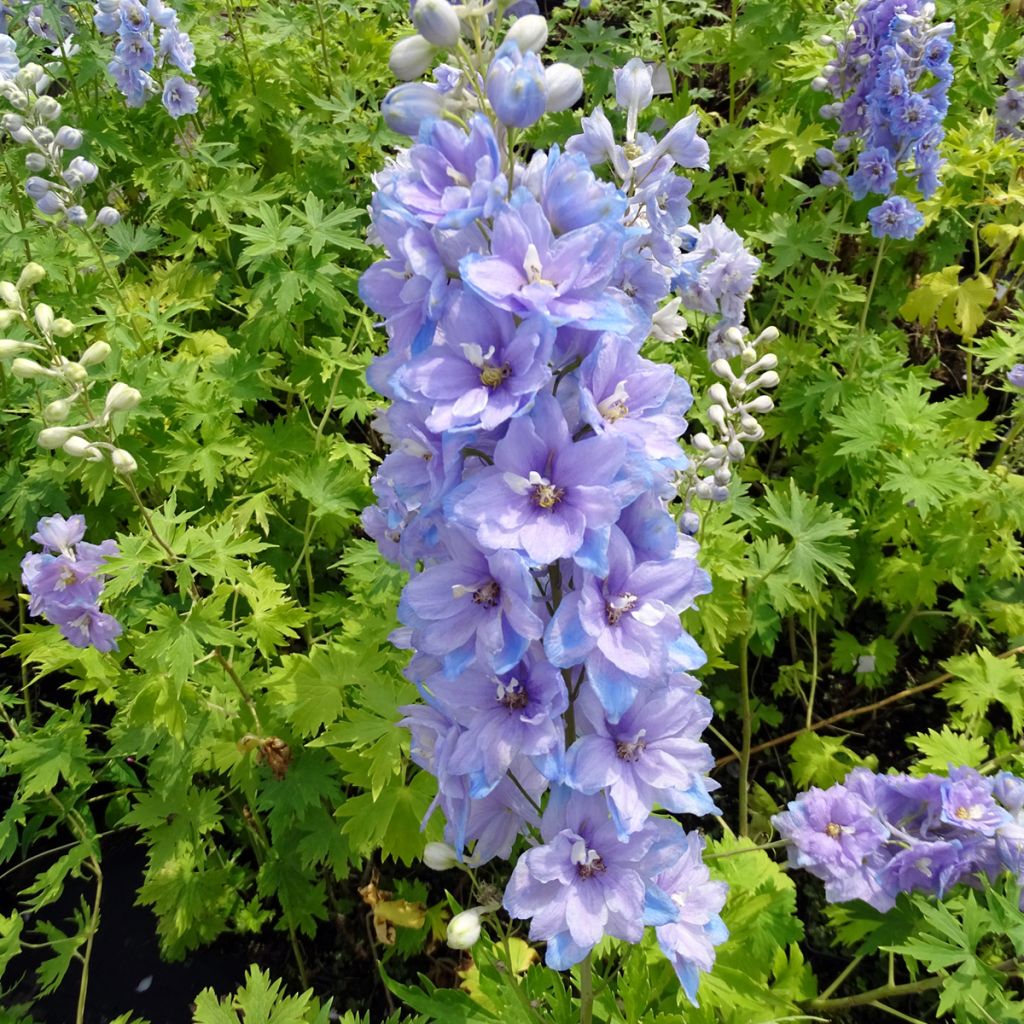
(652, 755)
(897, 217)
(65, 582)
(544, 490)
(1015, 376)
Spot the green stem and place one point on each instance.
(323, 44)
(586, 990)
(115, 284)
(871, 286)
(660, 15)
(842, 976)
(747, 733)
(1011, 436)
(813, 627)
(236, 14)
(16, 198)
(94, 922)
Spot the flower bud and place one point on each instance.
(68, 137)
(529, 33)
(439, 856)
(410, 58)
(76, 215)
(689, 523)
(718, 394)
(7, 317)
(29, 369)
(716, 414)
(42, 135)
(723, 475)
(464, 928)
(735, 451)
(73, 372)
(123, 462)
(767, 336)
(702, 442)
(564, 85)
(36, 188)
(768, 379)
(121, 398)
(31, 274)
(9, 347)
(634, 85)
(47, 108)
(55, 437)
(761, 404)
(407, 106)
(9, 294)
(516, 87)
(824, 156)
(21, 135)
(94, 354)
(80, 172)
(107, 217)
(57, 411)
(80, 448)
(44, 317)
(50, 203)
(35, 161)
(62, 327)
(11, 122)
(721, 368)
(819, 84)
(437, 22)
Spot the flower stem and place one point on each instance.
(871, 286)
(1011, 436)
(747, 726)
(586, 990)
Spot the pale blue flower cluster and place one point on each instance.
(1010, 106)
(136, 57)
(534, 455)
(872, 837)
(889, 80)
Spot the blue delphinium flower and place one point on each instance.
(1015, 376)
(875, 836)
(889, 81)
(1009, 109)
(897, 217)
(65, 582)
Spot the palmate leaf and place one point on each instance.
(982, 680)
(816, 532)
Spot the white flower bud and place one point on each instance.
(123, 462)
(747, 422)
(767, 362)
(21, 134)
(121, 398)
(717, 416)
(73, 372)
(825, 41)
(702, 442)
(464, 928)
(733, 337)
(9, 347)
(721, 368)
(8, 317)
(31, 274)
(42, 135)
(62, 327)
(79, 447)
(704, 489)
(761, 404)
(723, 475)
(57, 412)
(10, 295)
(738, 388)
(767, 336)
(437, 22)
(748, 356)
(410, 58)
(564, 86)
(439, 856)
(94, 354)
(47, 108)
(718, 394)
(55, 437)
(736, 451)
(29, 369)
(768, 379)
(44, 317)
(530, 32)
(819, 84)
(107, 217)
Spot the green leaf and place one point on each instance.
(824, 760)
(982, 680)
(945, 747)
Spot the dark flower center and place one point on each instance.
(588, 862)
(512, 696)
(630, 750)
(488, 595)
(618, 606)
(492, 376)
(547, 495)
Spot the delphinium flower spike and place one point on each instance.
(872, 837)
(65, 582)
(888, 80)
(534, 454)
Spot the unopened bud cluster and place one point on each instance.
(509, 83)
(55, 183)
(41, 360)
(735, 406)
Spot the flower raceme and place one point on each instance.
(534, 453)
(889, 80)
(872, 837)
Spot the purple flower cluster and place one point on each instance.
(872, 837)
(65, 582)
(534, 454)
(135, 56)
(889, 81)
(1010, 106)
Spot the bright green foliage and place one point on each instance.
(260, 1001)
